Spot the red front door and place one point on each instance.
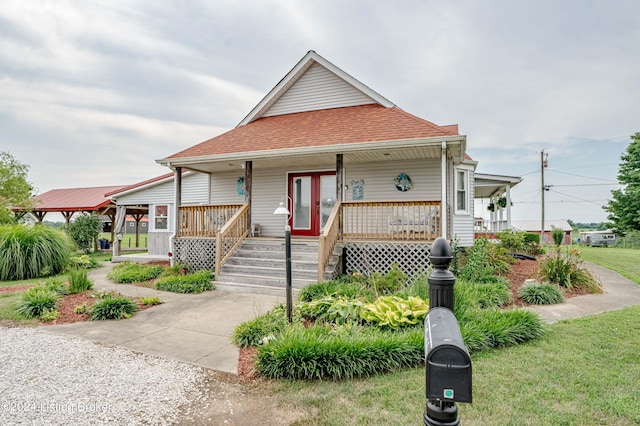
(313, 196)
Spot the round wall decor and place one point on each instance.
(403, 182)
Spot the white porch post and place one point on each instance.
(443, 196)
(508, 197)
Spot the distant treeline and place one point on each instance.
(593, 226)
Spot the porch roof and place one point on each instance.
(318, 131)
(488, 185)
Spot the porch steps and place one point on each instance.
(259, 266)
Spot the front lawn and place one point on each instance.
(585, 372)
(623, 261)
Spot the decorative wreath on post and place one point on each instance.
(403, 182)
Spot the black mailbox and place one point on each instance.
(447, 360)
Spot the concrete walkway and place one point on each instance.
(618, 292)
(193, 328)
(197, 329)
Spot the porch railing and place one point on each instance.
(391, 220)
(231, 235)
(327, 240)
(205, 221)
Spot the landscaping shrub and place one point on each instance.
(482, 259)
(128, 272)
(55, 284)
(36, 302)
(541, 294)
(196, 282)
(334, 309)
(339, 353)
(558, 235)
(530, 237)
(507, 327)
(249, 333)
(351, 286)
(79, 281)
(150, 301)
(567, 271)
(494, 294)
(511, 240)
(112, 307)
(84, 261)
(388, 283)
(32, 251)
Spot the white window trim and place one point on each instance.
(467, 210)
(152, 213)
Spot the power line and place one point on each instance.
(586, 177)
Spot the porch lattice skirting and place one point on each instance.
(367, 257)
(195, 253)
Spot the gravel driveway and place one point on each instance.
(50, 379)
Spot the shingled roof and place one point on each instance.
(320, 128)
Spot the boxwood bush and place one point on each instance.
(196, 282)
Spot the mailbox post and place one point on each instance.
(447, 361)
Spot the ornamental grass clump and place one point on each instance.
(79, 281)
(32, 251)
(112, 307)
(541, 294)
(250, 333)
(128, 272)
(326, 352)
(567, 270)
(36, 302)
(196, 282)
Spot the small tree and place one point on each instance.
(15, 191)
(85, 230)
(624, 206)
(558, 235)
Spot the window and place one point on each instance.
(161, 217)
(462, 191)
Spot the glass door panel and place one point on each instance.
(327, 197)
(301, 202)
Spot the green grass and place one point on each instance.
(8, 311)
(128, 240)
(584, 372)
(623, 261)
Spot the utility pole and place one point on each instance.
(543, 163)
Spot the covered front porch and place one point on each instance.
(208, 235)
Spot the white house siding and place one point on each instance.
(316, 89)
(223, 187)
(195, 190)
(462, 224)
(379, 180)
(269, 186)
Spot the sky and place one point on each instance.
(93, 92)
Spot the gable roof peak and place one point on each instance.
(287, 82)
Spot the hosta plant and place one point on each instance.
(394, 311)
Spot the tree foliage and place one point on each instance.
(15, 190)
(624, 206)
(85, 229)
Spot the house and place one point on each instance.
(360, 177)
(534, 226)
(156, 197)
